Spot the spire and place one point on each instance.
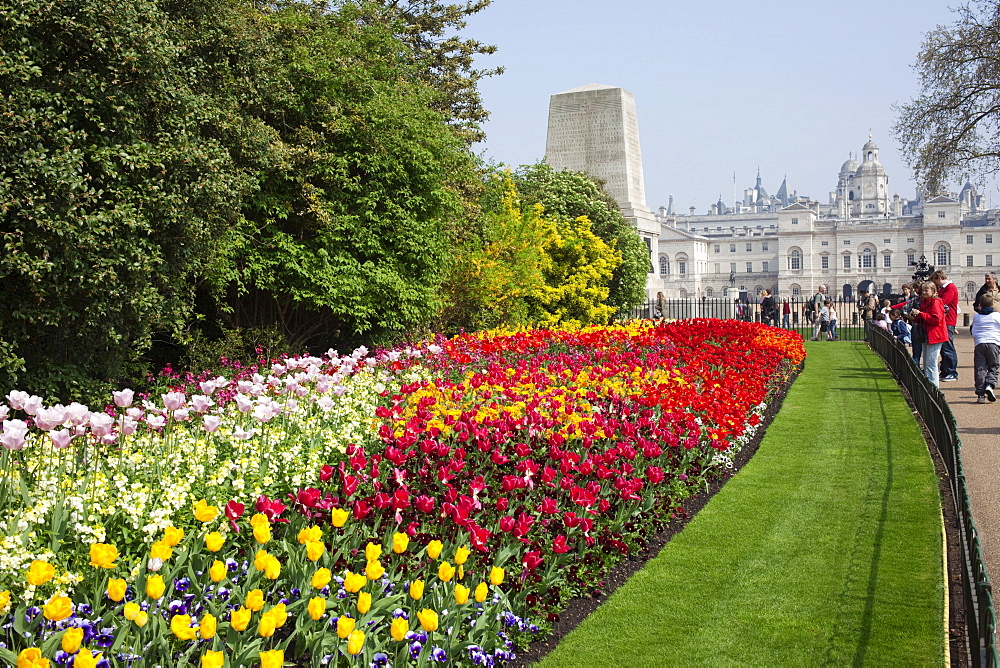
(758, 176)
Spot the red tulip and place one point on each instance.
(559, 545)
(506, 523)
(532, 560)
(234, 509)
(424, 503)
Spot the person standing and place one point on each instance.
(659, 306)
(769, 311)
(989, 288)
(831, 334)
(817, 304)
(986, 360)
(948, 294)
(866, 305)
(786, 314)
(930, 315)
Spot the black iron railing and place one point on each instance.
(930, 403)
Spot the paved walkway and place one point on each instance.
(979, 429)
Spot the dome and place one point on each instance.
(849, 167)
(869, 146)
(871, 168)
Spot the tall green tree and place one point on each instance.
(566, 196)
(117, 189)
(953, 127)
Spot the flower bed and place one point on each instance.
(504, 472)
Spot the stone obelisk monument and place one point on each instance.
(594, 129)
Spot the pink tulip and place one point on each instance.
(3, 412)
(244, 403)
(123, 398)
(101, 424)
(244, 435)
(49, 418)
(78, 413)
(173, 401)
(127, 425)
(32, 405)
(201, 403)
(211, 423)
(16, 399)
(156, 421)
(61, 438)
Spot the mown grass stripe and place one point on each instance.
(824, 550)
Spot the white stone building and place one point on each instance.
(792, 245)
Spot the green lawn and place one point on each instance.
(824, 550)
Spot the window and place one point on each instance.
(664, 266)
(749, 248)
(763, 246)
(865, 260)
(732, 267)
(909, 240)
(709, 292)
(795, 260)
(887, 261)
(763, 267)
(683, 294)
(940, 214)
(795, 221)
(718, 268)
(910, 259)
(943, 256)
(824, 243)
(989, 260)
(824, 262)
(718, 247)
(989, 238)
(749, 267)
(725, 292)
(847, 262)
(968, 240)
(682, 267)
(732, 248)
(969, 262)
(796, 291)
(847, 242)
(887, 241)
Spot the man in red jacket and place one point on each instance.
(948, 293)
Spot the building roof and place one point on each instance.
(591, 86)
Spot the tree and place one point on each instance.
(444, 61)
(566, 196)
(117, 189)
(953, 127)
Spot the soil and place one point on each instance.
(579, 608)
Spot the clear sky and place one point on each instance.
(720, 86)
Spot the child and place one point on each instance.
(899, 328)
(986, 334)
(881, 321)
(831, 332)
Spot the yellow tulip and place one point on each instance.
(314, 550)
(141, 618)
(416, 589)
(211, 659)
(280, 614)
(338, 517)
(72, 640)
(345, 625)
(204, 512)
(374, 570)
(131, 610)
(272, 569)
(461, 555)
(255, 600)
(400, 627)
(208, 626)
(496, 576)
(434, 549)
(103, 555)
(321, 578)
(262, 534)
(155, 586)
(266, 626)
(259, 520)
(4, 601)
(181, 627)
(400, 541)
(58, 608)
(116, 589)
(239, 618)
(461, 594)
(482, 591)
(160, 550)
(214, 541)
(217, 571)
(86, 659)
(31, 658)
(316, 607)
(40, 572)
(260, 560)
(309, 535)
(274, 658)
(373, 551)
(428, 619)
(446, 571)
(353, 582)
(172, 536)
(364, 602)
(355, 642)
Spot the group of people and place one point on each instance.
(927, 319)
(824, 316)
